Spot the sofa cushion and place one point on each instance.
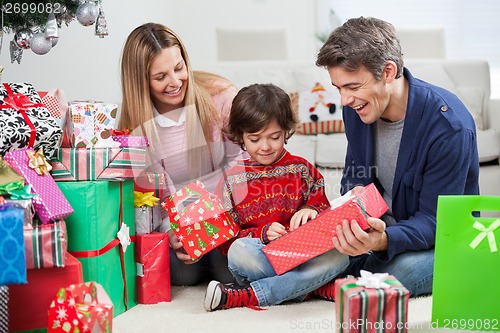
(471, 95)
(317, 110)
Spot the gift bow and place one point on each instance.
(370, 280)
(23, 193)
(124, 236)
(19, 102)
(485, 232)
(38, 162)
(145, 199)
(115, 132)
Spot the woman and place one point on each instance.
(182, 113)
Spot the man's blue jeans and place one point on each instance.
(415, 269)
(249, 265)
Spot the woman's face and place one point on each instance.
(265, 146)
(168, 78)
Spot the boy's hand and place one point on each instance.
(275, 230)
(301, 217)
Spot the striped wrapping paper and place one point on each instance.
(325, 127)
(46, 245)
(371, 310)
(78, 164)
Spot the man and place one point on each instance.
(415, 141)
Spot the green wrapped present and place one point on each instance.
(465, 293)
(99, 236)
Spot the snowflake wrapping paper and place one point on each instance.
(201, 225)
(25, 121)
(90, 124)
(82, 308)
(315, 237)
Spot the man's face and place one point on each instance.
(361, 91)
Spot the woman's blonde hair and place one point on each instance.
(141, 47)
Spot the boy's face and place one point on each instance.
(265, 146)
(361, 91)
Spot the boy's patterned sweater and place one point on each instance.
(257, 195)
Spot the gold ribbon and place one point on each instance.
(38, 162)
(145, 199)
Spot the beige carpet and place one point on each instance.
(186, 314)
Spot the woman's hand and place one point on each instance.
(301, 217)
(275, 230)
(179, 249)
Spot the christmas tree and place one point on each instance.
(210, 228)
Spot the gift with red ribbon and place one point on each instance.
(202, 224)
(83, 308)
(126, 139)
(25, 122)
(50, 204)
(371, 303)
(315, 237)
(101, 235)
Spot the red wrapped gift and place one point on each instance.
(28, 303)
(50, 204)
(46, 245)
(315, 237)
(153, 268)
(201, 225)
(370, 304)
(82, 308)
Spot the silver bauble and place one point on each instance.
(87, 13)
(54, 41)
(23, 37)
(40, 44)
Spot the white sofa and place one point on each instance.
(469, 79)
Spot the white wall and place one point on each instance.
(87, 67)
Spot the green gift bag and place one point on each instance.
(93, 229)
(467, 264)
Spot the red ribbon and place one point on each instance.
(20, 103)
(109, 246)
(115, 132)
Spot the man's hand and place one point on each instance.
(353, 241)
(275, 230)
(179, 249)
(301, 217)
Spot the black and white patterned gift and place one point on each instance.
(4, 311)
(25, 121)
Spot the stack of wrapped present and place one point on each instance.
(67, 205)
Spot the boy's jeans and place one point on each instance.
(249, 265)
